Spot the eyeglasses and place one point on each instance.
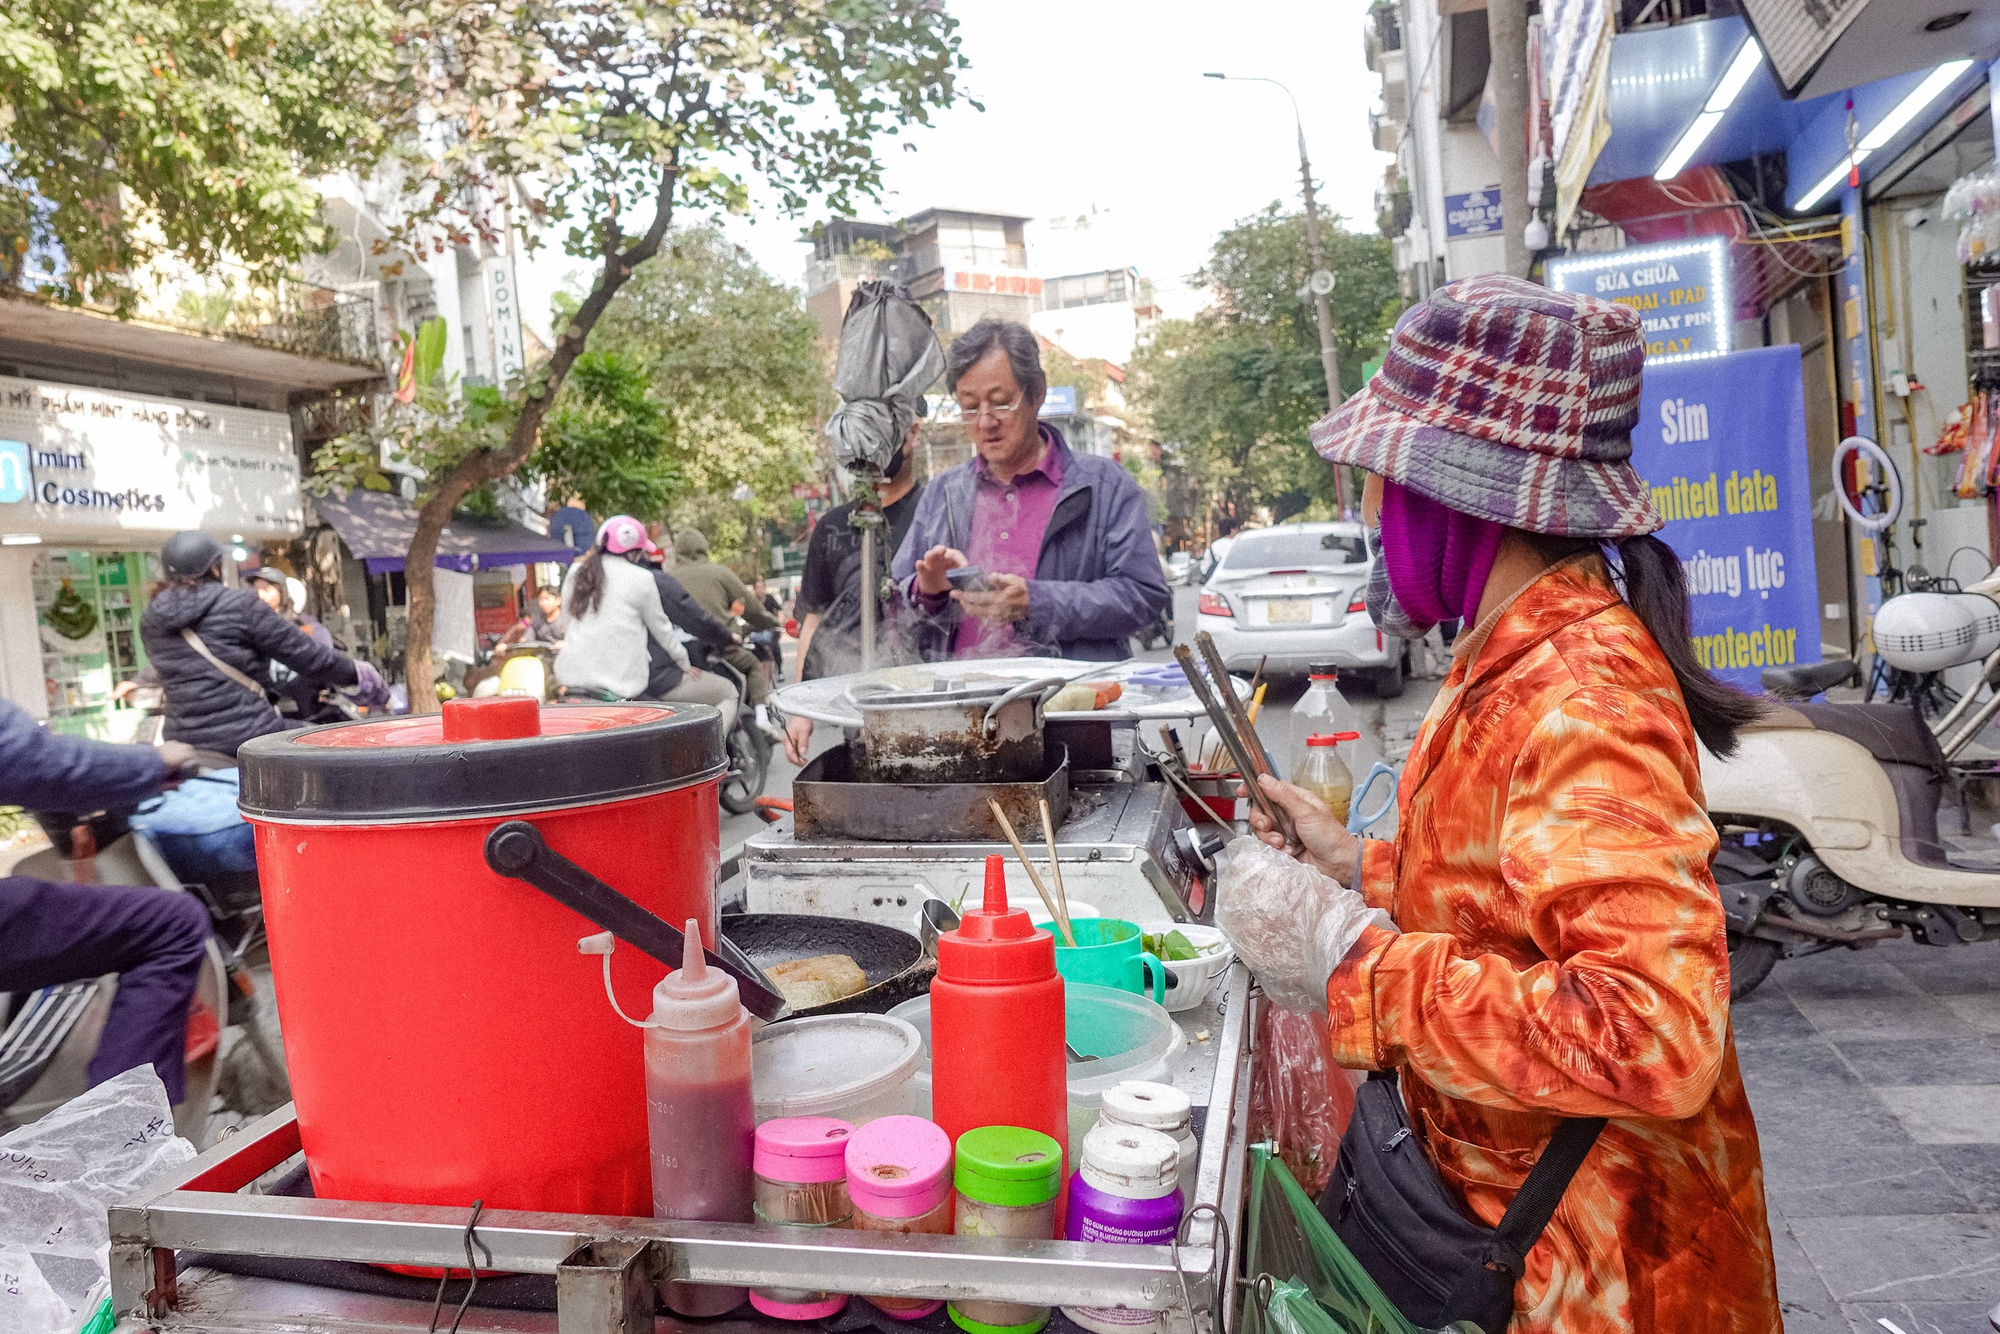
(1000, 412)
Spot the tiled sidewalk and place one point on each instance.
(1875, 1077)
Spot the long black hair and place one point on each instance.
(1656, 590)
(586, 589)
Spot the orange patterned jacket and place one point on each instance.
(1562, 954)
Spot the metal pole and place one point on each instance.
(870, 586)
(1507, 38)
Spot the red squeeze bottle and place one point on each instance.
(997, 1024)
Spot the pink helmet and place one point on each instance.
(622, 533)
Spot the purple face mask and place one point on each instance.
(1437, 558)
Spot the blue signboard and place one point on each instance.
(15, 478)
(1680, 289)
(1722, 444)
(1060, 401)
(1472, 214)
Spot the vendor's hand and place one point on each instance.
(178, 756)
(1003, 604)
(931, 567)
(798, 739)
(1327, 846)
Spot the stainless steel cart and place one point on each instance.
(605, 1267)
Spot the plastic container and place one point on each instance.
(1125, 1192)
(1195, 978)
(698, 1109)
(445, 1042)
(1321, 711)
(1007, 1181)
(856, 1067)
(801, 1182)
(1131, 1037)
(997, 1022)
(1160, 1107)
(899, 1180)
(1326, 775)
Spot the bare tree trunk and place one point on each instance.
(475, 470)
(1507, 37)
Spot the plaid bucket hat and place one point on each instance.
(1507, 401)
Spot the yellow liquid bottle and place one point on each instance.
(1326, 775)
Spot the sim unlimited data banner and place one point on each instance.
(1721, 442)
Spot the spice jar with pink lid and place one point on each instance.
(899, 1180)
(800, 1165)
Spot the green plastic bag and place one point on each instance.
(1304, 1280)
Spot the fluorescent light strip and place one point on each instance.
(1748, 57)
(1888, 127)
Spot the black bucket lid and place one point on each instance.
(504, 755)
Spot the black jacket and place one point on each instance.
(205, 708)
(662, 674)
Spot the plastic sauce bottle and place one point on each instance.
(1008, 1182)
(1321, 711)
(801, 1182)
(899, 1179)
(1125, 1191)
(1326, 775)
(997, 1023)
(1161, 1107)
(698, 1110)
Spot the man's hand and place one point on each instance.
(1003, 604)
(178, 756)
(1328, 847)
(931, 567)
(798, 739)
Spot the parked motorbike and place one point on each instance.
(1829, 812)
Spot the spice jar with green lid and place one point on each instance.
(1007, 1179)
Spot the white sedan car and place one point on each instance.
(1292, 596)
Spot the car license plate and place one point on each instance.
(1290, 611)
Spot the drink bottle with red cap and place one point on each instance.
(997, 1022)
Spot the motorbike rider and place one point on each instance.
(721, 593)
(213, 648)
(273, 588)
(703, 631)
(50, 933)
(613, 608)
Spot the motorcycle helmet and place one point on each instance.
(190, 555)
(622, 533)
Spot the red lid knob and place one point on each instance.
(495, 718)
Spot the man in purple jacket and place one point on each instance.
(1062, 540)
(154, 939)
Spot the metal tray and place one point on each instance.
(829, 801)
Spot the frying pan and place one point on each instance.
(893, 961)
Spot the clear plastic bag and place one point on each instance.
(1299, 1099)
(58, 1176)
(1290, 924)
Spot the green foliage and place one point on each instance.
(1233, 391)
(607, 440)
(136, 129)
(735, 376)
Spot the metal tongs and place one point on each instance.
(1238, 733)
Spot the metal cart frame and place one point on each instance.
(606, 1267)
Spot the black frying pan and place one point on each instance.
(893, 961)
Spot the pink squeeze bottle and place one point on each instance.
(698, 1109)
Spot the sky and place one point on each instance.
(1099, 125)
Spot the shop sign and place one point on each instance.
(508, 361)
(75, 462)
(1722, 445)
(1474, 213)
(1008, 284)
(1059, 401)
(1680, 289)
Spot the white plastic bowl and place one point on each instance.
(1195, 978)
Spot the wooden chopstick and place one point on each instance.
(1007, 828)
(1055, 862)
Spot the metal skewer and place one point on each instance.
(1225, 729)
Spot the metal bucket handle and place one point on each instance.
(1045, 688)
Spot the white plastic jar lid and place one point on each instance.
(1138, 1102)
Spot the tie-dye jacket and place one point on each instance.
(1562, 954)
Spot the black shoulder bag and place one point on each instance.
(1389, 1207)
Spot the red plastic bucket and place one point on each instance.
(445, 1038)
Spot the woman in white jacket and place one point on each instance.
(612, 606)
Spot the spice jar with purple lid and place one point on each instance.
(800, 1164)
(899, 1180)
(1126, 1190)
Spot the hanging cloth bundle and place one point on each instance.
(889, 355)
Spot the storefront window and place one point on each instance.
(87, 607)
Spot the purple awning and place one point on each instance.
(377, 527)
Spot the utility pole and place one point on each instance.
(1320, 281)
(1507, 39)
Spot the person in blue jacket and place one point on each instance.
(50, 933)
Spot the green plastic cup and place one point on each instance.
(1109, 953)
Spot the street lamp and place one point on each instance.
(1321, 283)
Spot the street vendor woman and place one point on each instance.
(1061, 540)
(1559, 947)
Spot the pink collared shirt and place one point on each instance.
(1008, 521)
